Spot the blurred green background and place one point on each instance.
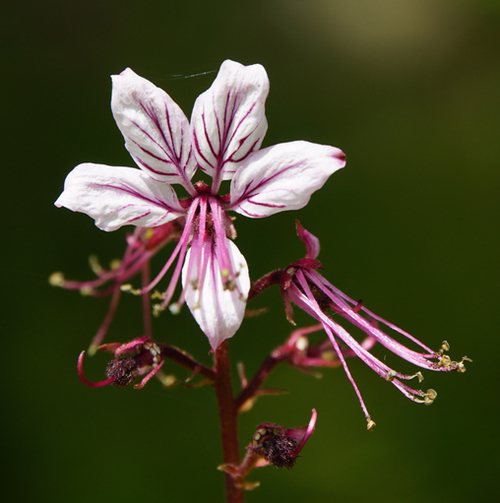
(410, 90)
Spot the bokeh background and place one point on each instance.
(410, 90)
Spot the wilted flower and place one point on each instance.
(280, 446)
(271, 444)
(227, 127)
(124, 370)
(309, 290)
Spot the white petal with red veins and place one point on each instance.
(228, 120)
(116, 196)
(156, 131)
(282, 177)
(219, 310)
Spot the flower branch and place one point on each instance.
(223, 140)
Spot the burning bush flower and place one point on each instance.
(309, 290)
(227, 127)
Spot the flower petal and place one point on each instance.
(156, 131)
(228, 120)
(282, 177)
(218, 310)
(116, 196)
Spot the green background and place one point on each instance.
(410, 90)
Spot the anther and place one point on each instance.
(390, 376)
(261, 435)
(157, 310)
(174, 308)
(302, 343)
(57, 279)
(127, 287)
(94, 264)
(460, 365)
(370, 424)
(115, 264)
(445, 361)
(430, 396)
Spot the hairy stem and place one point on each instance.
(228, 413)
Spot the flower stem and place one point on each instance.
(228, 413)
(265, 369)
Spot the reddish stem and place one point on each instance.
(269, 279)
(186, 361)
(228, 413)
(265, 369)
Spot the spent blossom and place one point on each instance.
(142, 356)
(222, 139)
(280, 446)
(272, 444)
(124, 370)
(304, 286)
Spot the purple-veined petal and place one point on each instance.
(218, 310)
(282, 177)
(228, 120)
(156, 131)
(116, 196)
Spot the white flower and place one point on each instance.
(223, 139)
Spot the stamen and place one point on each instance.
(370, 424)
(309, 298)
(460, 365)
